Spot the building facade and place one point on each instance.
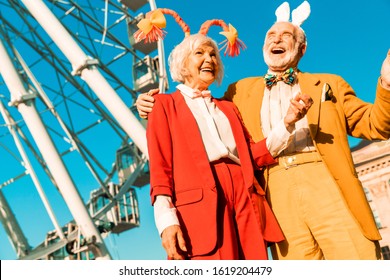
(372, 163)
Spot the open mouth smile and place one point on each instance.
(278, 50)
(207, 69)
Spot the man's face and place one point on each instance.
(281, 48)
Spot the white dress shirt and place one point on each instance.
(274, 107)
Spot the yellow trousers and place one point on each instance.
(314, 217)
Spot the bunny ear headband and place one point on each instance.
(151, 29)
(298, 16)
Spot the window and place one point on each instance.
(377, 219)
(368, 194)
(386, 252)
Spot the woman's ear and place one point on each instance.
(184, 71)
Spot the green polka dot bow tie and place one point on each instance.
(289, 77)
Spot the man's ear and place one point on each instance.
(302, 49)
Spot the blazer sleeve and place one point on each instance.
(260, 154)
(366, 120)
(230, 92)
(159, 142)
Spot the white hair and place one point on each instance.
(178, 57)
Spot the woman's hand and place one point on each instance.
(174, 243)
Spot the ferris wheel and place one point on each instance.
(70, 74)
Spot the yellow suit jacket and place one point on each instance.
(330, 122)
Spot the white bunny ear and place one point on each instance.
(301, 13)
(283, 12)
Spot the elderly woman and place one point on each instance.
(206, 200)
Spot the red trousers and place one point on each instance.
(239, 230)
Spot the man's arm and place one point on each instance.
(145, 102)
(284, 132)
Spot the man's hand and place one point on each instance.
(298, 108)
(385, 72)
(174, 243)
(145, 102)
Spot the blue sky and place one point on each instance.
(348, 38)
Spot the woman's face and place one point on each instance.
(201, 67)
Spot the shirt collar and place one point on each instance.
(186, 90)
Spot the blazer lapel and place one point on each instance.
(239, 137)
(259, 102)
(192, 135)
(310, 85)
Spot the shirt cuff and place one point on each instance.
(164, 214)
(279, 138)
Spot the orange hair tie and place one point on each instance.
(232, 44)
(150, 28)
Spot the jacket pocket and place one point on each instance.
(197, 213)
(189, 196)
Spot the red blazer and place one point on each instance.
(180, 168)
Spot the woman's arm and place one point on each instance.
(161, 180)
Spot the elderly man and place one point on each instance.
(313, 189)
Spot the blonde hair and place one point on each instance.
(178, 57)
